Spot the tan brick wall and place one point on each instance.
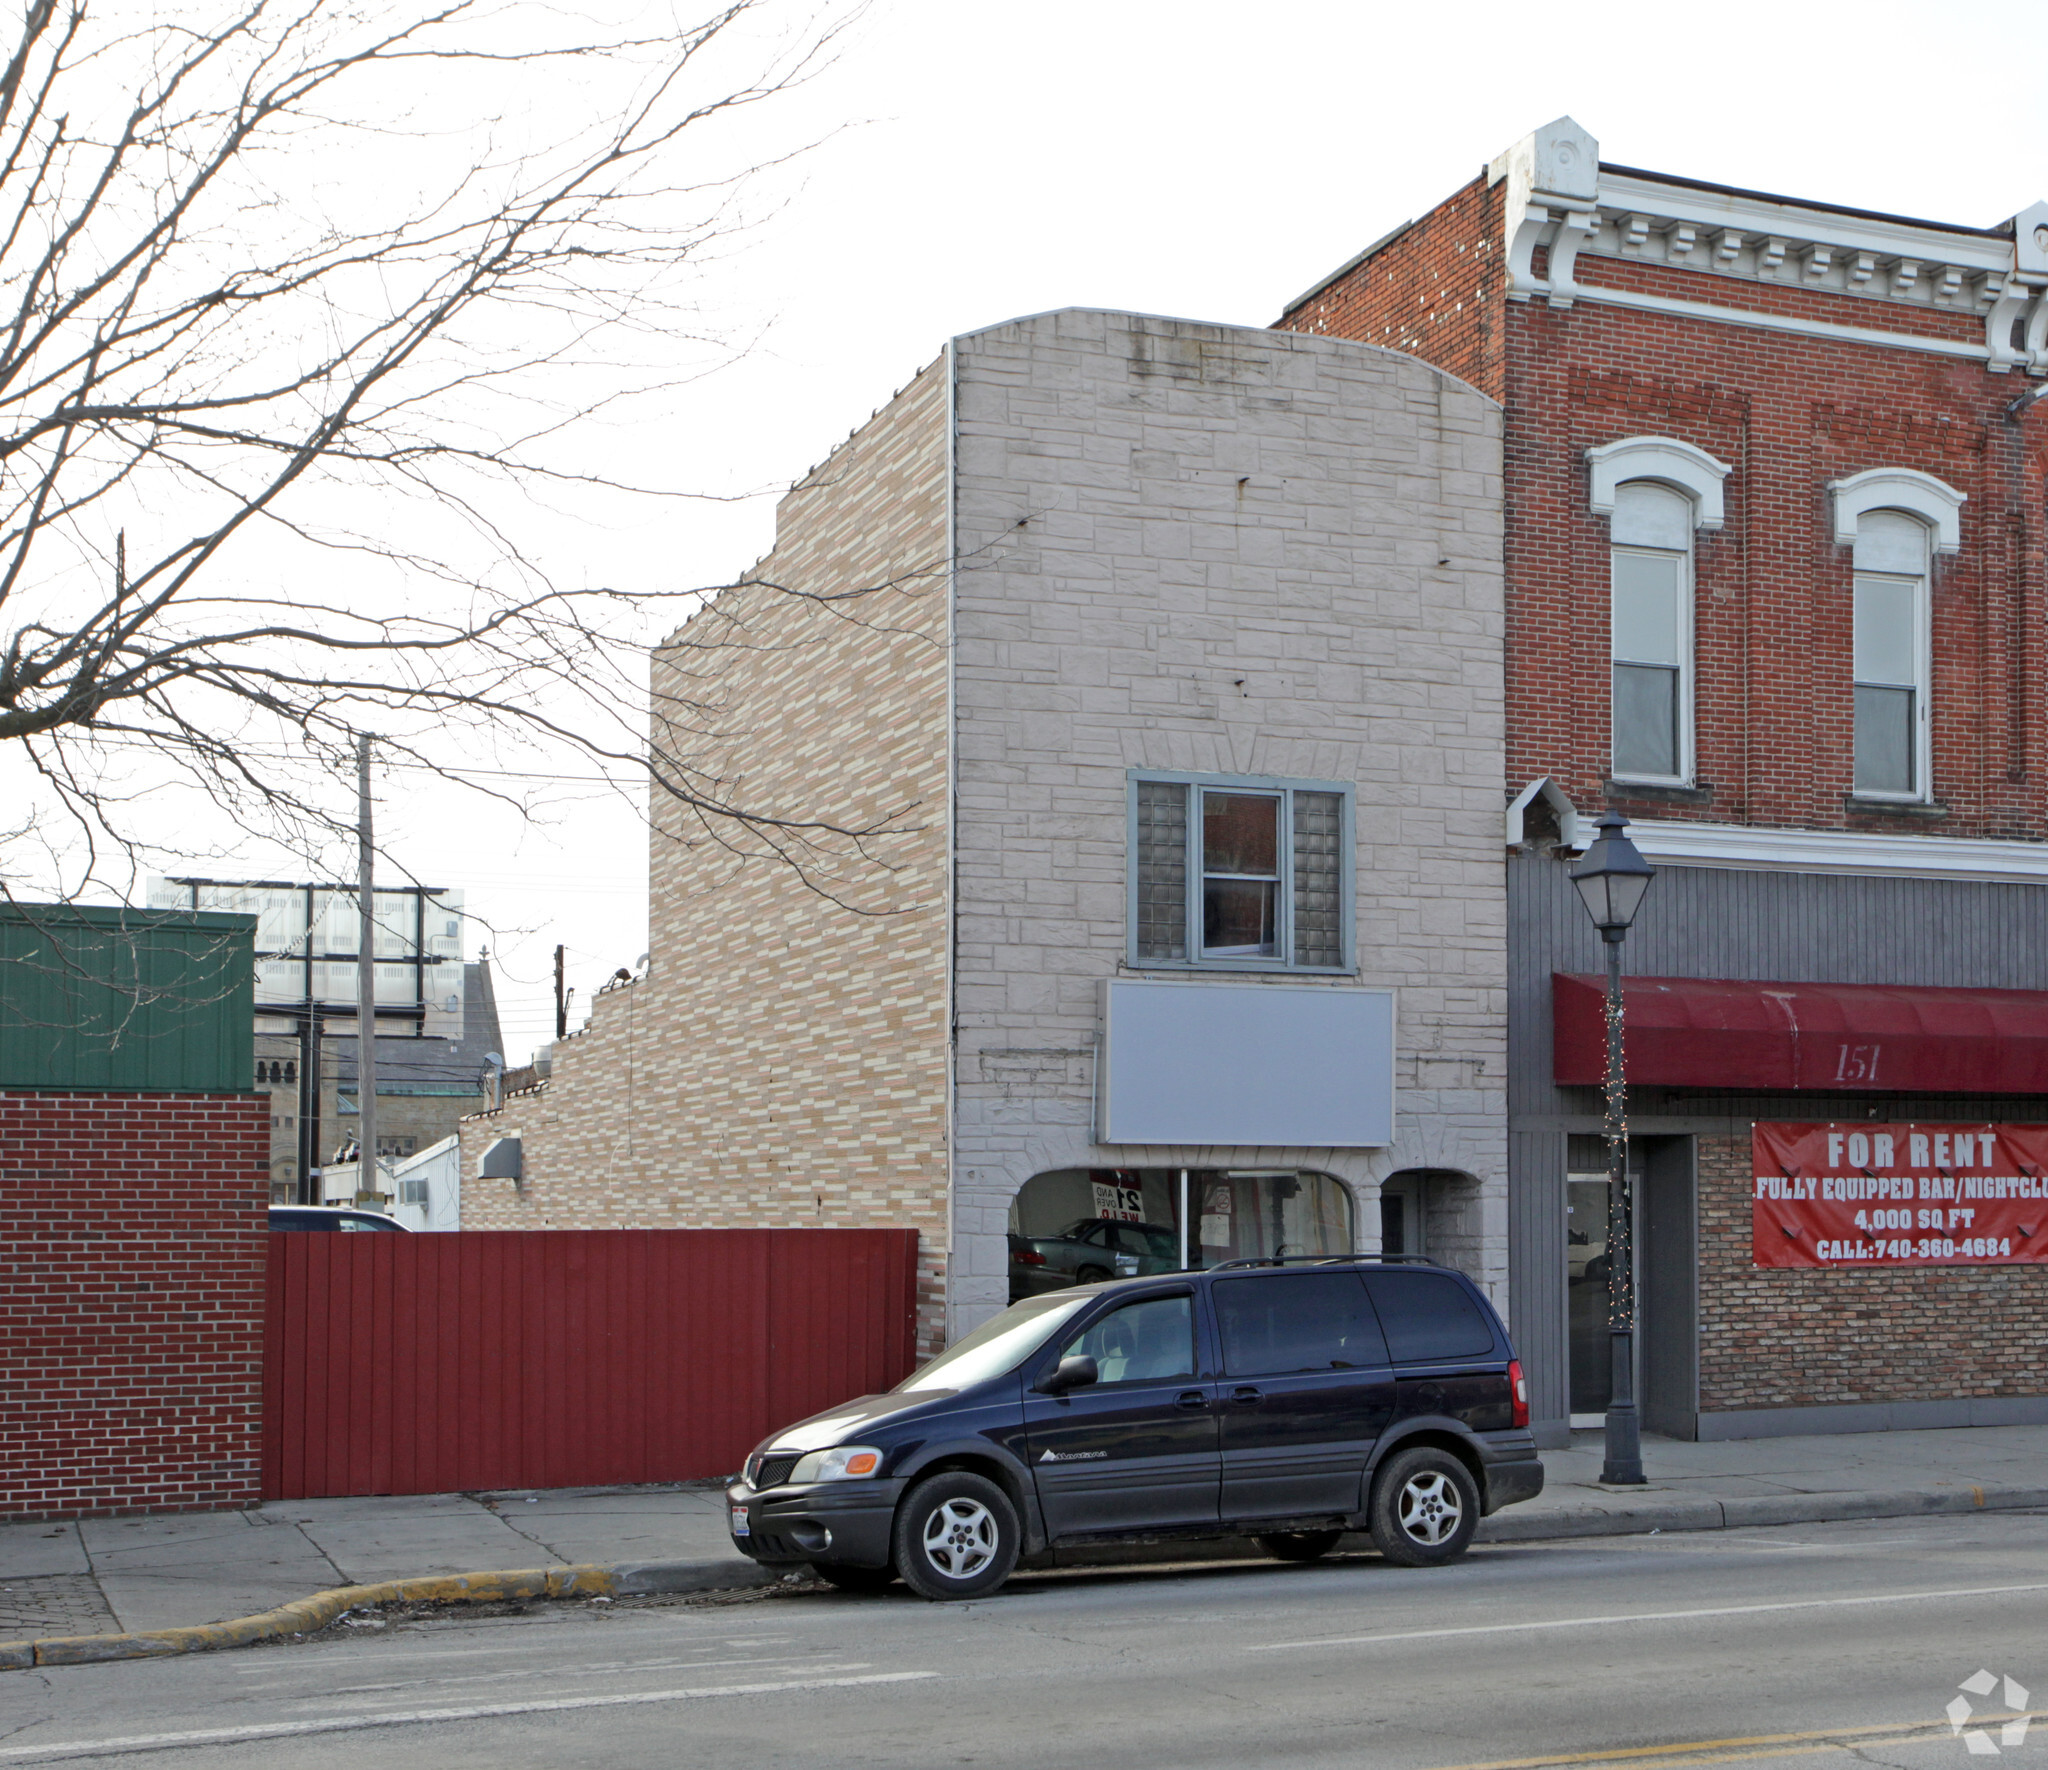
(783, 1061)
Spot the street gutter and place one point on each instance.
(653, 1578)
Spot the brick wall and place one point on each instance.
(1433, 291)
(1789, 412)
(782, 1064)
(1772, 595)
(1788, 1338)
(131, 1301)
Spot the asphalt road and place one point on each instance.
(1825, 1642)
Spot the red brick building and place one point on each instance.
(1775, 490)
(133, 1240)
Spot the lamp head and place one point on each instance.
(1612, 877)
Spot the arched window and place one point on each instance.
(1890, 654)
(1896, 519)
(1650, 605)
(1654, 491)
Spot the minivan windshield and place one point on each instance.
(997, 1345)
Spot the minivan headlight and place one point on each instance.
(845, 1462)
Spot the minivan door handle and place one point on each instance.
(1191, 1398)
(1244, 1394)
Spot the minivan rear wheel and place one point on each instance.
(956, 1536)
(1425, 1507)
(1299, 1545)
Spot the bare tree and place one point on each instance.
(289, 298)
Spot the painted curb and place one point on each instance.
(646, 1578)
(303, 1615)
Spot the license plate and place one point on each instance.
(739, 1521)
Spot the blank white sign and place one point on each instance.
(1243, 1064)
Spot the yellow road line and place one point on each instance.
(1689, 1751)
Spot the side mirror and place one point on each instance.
(1074, 1372)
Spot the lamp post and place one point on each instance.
(1612, 878)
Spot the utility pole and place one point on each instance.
(311, 1191)
(561, 1000)
(367, 1177)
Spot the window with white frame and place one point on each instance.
(1650, 613)
(1890, 655)
(1237, 873)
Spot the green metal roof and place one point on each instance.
(145, 1001)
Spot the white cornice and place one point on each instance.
(1776, 322)
(1998, 280)
(1837, 851)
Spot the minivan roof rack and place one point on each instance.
(1324, 1260)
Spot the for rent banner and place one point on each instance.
(1900, 1195)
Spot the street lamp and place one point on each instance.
(1612, 879)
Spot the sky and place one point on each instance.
(975, 160)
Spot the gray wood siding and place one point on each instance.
(1723, 922)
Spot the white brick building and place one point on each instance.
(1189, 673)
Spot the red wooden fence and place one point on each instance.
(566, 1358)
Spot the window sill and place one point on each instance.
(1700, 793)
(1220, 968)
(1863, 805)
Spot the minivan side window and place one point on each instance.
(1148, 1342)
(1428, 1316)
(1276, 1325)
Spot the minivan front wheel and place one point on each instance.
(957, 1536)
(854, 1579)
(1425, 1507)
(1299, 1545)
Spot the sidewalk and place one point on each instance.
(109, 1574)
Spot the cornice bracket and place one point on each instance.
(1553, 181)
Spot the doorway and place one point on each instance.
(1403, 1216)
(1663, 1242)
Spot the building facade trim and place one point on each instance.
(1668, 461)
(1562, 201)
(1934, 501)
(1778, 322)
(1684, 843)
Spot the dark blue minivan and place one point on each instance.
(1287, 1400)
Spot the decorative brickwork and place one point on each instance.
(782, 1064)
(132, 1246)
(1787, 1338)
(1796, 344)
(1790, 412)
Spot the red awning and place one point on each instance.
(1831, 1037)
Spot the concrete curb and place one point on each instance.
(1739, 1514)
(303, 1615)
(648, 1578)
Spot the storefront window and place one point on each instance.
(1084, 1225)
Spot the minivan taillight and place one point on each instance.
(1518, 1389)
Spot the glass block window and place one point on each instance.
(1162, 870)
(1318, 879)
(1232, 874)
